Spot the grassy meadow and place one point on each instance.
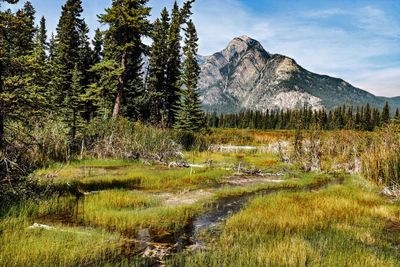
(119, 210)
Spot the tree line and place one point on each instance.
(360, 118)
(79, 79)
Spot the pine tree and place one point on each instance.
(367, 118)
(24, 36)
(174, 68)
(41, 76)
(189, 115)
(397, 115)
(385, 114)
(98, 44)
(158, 69)
(73, 103)
(72, 55)
(66, 54)
(52, 48)
(20, 97)
(128, 23)
(41, 43)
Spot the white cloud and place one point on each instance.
(377, 21)
(331, 50)
(359, 54)
(325, 13)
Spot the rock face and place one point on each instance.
(245, 76)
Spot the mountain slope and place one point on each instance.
(245, 76)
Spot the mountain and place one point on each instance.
(245, 76)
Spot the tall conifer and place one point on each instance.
(128, 23)
(189, 115)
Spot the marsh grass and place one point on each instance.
(57, 247)
(89, 176)
(225, 159)
(381, 161)
(127, 212)
(343, 225)
(247, 136)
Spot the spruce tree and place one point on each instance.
(98, 44)
(179, 16)
(72, 55)
(157, 83)
(385, 114)
(367, 118)
(52, 48)
(189, 115)
(41, 45)
(20, 97)
(128, 23)
(397, 114)
(66, 54)
(41, 76)
(73, 105)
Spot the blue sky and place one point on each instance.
(356, 40)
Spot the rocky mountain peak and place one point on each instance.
(245, 76)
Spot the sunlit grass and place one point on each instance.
(59, 246)
(300, 181)
(249, 158)
(343, 225)
(129, 211)
(132, 175)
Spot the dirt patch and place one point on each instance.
(185, 198)
(246, 180)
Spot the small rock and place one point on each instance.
(196, 247)
(144, 235)
(40, 226)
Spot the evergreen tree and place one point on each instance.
(20, 97)
(72, 55)
(41, 76)
(367, 118)
(41, 43)
(66, 51)
(397, 114)
(178, 18)
(189, 115)
(385, 114)
(73, 105)
(98, 44)
(128, 23)
(158, 69)
(52, 48)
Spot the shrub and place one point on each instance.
(128, 140)
(381, 161)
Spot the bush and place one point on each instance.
(381, 161)
(124, 139)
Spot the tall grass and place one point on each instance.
(344, 225)
(381, 161)
(125, 139)
(57, 247)
(90, 176)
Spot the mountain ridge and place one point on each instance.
(245, 76)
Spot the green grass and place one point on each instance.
(59, 246)
(249, 158)
(300, 181)
(129, 211)
(93, 176)
(307, 220)
(343, 225)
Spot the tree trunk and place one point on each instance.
(2, 142)
(121, 86)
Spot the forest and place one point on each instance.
(107, 157)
